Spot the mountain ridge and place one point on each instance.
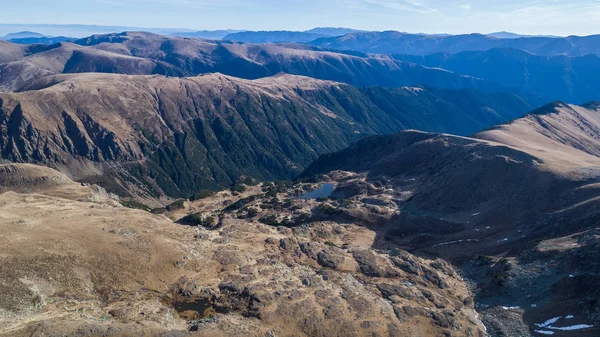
(515, 208)
(572, 79)
(207, 131)
(393, 42)
(174, 56)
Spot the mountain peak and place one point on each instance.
(551, 108)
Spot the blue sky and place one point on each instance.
(556, 17)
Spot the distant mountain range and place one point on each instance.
(273, 37)
(287, 36)
(22, 35)
(77, 31)
(392, 42)
(138, 53)
(26, 37)
(42, 40)
(206, 34)
(87, 30)
(571, 79)
(509, 35)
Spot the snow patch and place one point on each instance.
(544, 332)
(548, 322)
(572, 327)
(414, 90)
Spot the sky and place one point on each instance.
(536, 17)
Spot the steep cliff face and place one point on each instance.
(174, 136)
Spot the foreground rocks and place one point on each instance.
(94, 268)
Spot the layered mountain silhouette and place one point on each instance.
(274, 36)
(571, 79)
(145, 53)
(288, 36)
(392, 42)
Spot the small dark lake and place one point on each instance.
(193, 309)
(322, 192)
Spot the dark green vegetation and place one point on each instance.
(200, 219)
(202, 194)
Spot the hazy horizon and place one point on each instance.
(529, 17)
(83, 30)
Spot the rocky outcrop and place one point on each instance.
(129, 272)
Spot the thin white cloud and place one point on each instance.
(404, 5)
(179, 3)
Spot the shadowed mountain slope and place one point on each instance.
(517, 207)
(571, 79)
(538, 174)
(178, 135)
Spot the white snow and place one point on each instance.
(571, 275)
(534, 305)
(548, 325)
(571, 328)
(544, 332)
(477, 317)
(511, 308)
(475, 214)
(548, 322)
(414, 90)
